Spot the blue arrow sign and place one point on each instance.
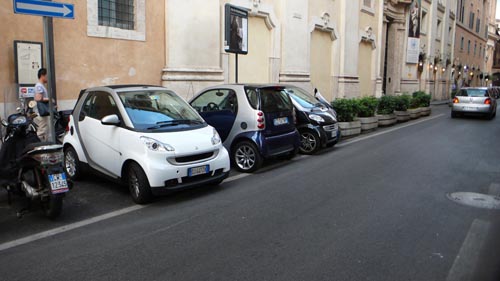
(44, 8)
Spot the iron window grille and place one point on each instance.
(117, 13)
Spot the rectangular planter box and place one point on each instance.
(368, 123)
(402, 116)
(350, 129)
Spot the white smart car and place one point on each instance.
(145, 136)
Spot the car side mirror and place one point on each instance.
(111, 120)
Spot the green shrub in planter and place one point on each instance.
(386, 105)
(423, 99)
(346, 109)
(402, 103)
(367, 106)
(414, 103)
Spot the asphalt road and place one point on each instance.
(373, 208)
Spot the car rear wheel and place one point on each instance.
(246, 157)
(309, 142)
(72, 165)
(138, 184)
(454, 114)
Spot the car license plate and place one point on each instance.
(280, 121)
(196, 171)
(470, 108)
(58, 183)
(334, 133)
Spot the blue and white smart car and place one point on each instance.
(254, 121)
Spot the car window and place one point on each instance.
(274, 99)
(253, 97)
(99, 104)
(301, 97)
(216, 100)
(474, 93)
(154, 109)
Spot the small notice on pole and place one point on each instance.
(28, 60)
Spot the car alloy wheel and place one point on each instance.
(309, 142)
(72, 165)
(138, 184)
(246, 157)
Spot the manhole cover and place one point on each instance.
(477, 200)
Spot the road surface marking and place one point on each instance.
(68, 227)
(468, 256)
(388, 131)
(72, 226)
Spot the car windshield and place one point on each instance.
(301, 97)
(472, 93)
(157, 109)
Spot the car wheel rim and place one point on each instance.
(70, 164)
(245, 157)
(308, 142)
(134, 183)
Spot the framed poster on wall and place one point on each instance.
(28, 60)
(236, 30)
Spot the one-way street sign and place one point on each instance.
(44, 8)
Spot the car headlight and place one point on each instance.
(316, 118)
(216, 138)
(156, 145)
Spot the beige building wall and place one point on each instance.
(81, 60)
(254, 67)
(321, 63)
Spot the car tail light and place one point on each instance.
(67, 125)
(261, 122)
(455, 100)
(487, 101)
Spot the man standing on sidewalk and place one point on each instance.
(41, 96)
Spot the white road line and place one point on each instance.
(237, 177)
(389, 131)
(468, 256)
(68, 227)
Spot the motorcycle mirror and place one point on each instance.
(32, 104)
(5, 123)
(18, 109)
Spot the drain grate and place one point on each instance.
(477, 200)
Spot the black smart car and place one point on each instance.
(316, 121)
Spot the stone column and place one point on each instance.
(395, 57)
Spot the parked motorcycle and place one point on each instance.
(30, 168)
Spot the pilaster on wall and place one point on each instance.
(348, 79)
(295, 68)
(193, 57)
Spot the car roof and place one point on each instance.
(125, 86)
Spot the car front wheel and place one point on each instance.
(309, 142)
(138, 184)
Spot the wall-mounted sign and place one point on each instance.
(28, 60)
(236, 30)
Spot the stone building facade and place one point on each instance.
(471, 42)
(344, 48)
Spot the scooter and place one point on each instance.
(30, 168)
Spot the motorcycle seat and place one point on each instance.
(31, 146)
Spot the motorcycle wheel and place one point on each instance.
(53, 206)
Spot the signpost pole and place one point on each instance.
(236, 68)
(48, 47)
